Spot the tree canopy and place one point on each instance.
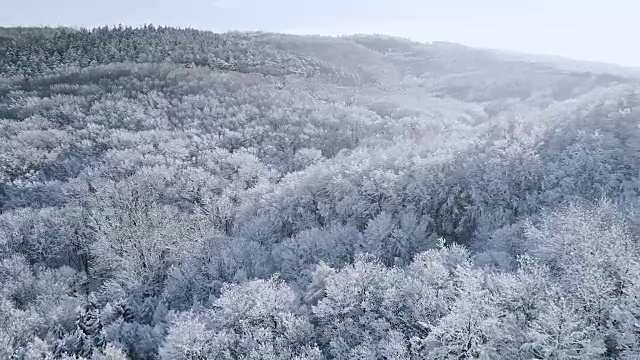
(179, 194)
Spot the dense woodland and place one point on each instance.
(179, 194)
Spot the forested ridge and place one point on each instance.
(179, 194)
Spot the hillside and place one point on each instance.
(180, 194)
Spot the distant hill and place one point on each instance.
(572, 64)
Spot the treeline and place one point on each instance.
(32, 51)
(176, 194)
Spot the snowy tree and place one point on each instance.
(560, 333)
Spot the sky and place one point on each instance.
(595, 30)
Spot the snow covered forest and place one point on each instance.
(179, 194)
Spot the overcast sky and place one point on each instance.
(598, 30)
